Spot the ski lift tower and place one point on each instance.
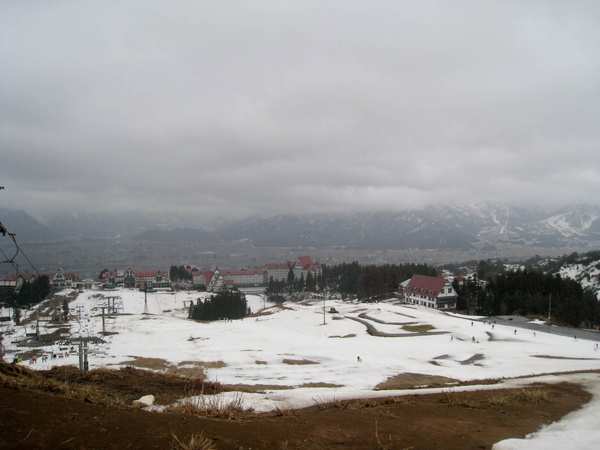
(83, 349)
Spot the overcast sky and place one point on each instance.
(238, 108)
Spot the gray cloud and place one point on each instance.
(269, 107)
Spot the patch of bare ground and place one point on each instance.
(258, 388)
(345, 336)
(410, 380)
(320, 385)
(35, 419)
(418, 328)
(473, 359)
(206, 364)
(193, 369)
(260, 362)
(563, 357)
(261, 313)
(299, 362)
(107, 386)
(281, 307)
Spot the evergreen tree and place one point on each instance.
(290, 280)
(16, 316)
(224, 305)
(311, 283)
(301, 283)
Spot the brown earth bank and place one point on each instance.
(35, 417)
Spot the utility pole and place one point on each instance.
(145, 298)
(324, 295)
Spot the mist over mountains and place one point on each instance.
(448, 227)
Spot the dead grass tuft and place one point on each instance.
(196, 442)
(216, 406)
(286, 412)
(378, 444)
(532, 395)
(324, 404)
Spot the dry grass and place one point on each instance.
(215, 406)
(205, 364)
(299, 362)
(532, 395)
(147, 363)
(496, 398)
(194, 369)
(285, 412)
(418, 328)
(410, 380)
(454, 399)
(196, 442)
(324, 404)
(320, 385)
(17, 377)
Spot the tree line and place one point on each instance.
(30, 293)
(370, 281)
(530, 292)
(351, 280)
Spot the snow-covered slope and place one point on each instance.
(586, 272)
(298, 354)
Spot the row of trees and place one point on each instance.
(368, 282)
(224, 305)
(32, 293)
(530, 292)
(292, 284)
(351, 279)
(180, 273)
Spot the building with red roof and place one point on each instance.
(215, 279)
(300, 267)
(130, 278)
(432, 292)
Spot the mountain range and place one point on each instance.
(478, 226)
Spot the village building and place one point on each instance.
(432, 292)
(215, 279)
(58, 280)
(300, 267)
(149, 279)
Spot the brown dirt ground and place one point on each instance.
(475, 420)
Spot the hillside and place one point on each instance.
(584, 269)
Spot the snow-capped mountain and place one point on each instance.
(439, 227)
(482, 226)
